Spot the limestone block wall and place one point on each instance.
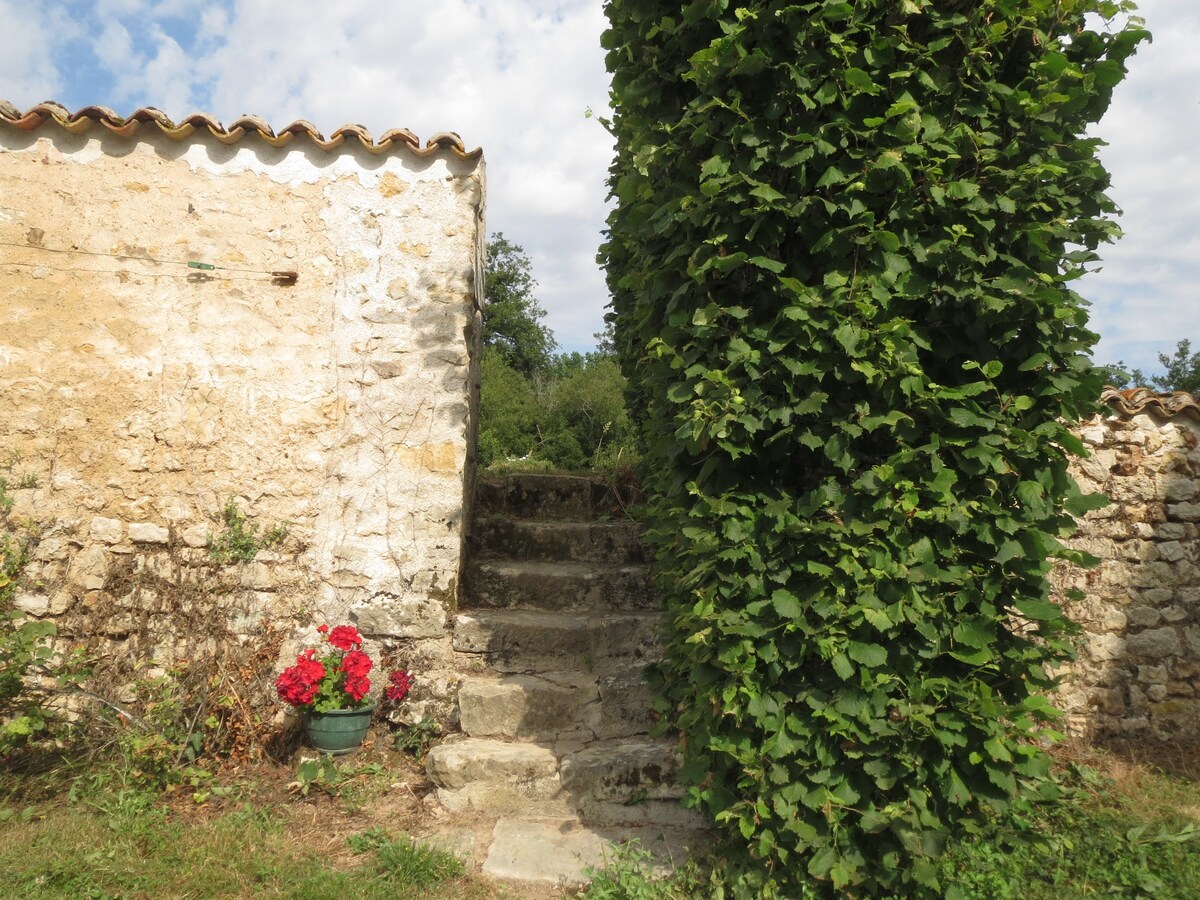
(140, 397)
(1138, 672)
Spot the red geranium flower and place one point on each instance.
(298, 684)
(356, 663)
(345, 637)
(399, 684)
(357, 686)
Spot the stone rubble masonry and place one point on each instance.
(1138, 671)
(142, 394)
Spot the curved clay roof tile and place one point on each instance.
(1132, 401)
(127, 126)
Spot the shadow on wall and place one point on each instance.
(1138, 672)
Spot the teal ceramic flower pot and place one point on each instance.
(338, 730)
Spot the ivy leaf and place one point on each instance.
(974, 632)
(870, 655)
(1081, 504)
(771, 265)
(768, 193)
(786, 605)
(1039, 610)
(857, 78)
(841, 665)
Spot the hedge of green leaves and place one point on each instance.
(840, 261)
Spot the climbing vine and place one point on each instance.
(840, 261)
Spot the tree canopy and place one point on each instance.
(1181, 372)
(512, 317)
(538, 408)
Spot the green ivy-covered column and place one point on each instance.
(840, 263)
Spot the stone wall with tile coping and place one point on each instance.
(1138, 672)
(141, 395)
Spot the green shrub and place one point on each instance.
(571, 416)
(629, 874)
(508, 418)
(24, 649)
(587, 425)
(405, 862)
(840, 262)
(241, 540)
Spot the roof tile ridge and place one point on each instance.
(127, 126)
(1165, 404)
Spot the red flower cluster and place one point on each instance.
(355, 665)
(298, 685)
(335, 680)
(345, 637)
(399, 684)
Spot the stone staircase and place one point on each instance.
(557, 625)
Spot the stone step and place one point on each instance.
(624, 771)
(617, 542)
(576, 706)
(559, 851)
(617, 782)
(550, 497)
(527, 584)
(512, 641)
(495, 777)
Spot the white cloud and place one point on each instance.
(173, 70)
(113, 46)
(27, 73)
(1148, 295)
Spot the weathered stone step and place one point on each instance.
(578, 706)
(478, 775)
(564, 497)
(527, 584)
(624, 781)
(513, 641)
(626, 771)
(558, 851)
(617, 542)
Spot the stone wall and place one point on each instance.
(1138, 672)
(141, 398)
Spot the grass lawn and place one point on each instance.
(1130, 827)
(72, 832)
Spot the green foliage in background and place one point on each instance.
(241, 540)
(1181, 372)
(539, 409)
(512, 316)
(840, 263)
(569, 416)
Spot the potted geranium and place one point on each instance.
(329, 686)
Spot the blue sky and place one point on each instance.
(517, 78)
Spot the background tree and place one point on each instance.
(539, 409)
(1181, 372)
(512, 317)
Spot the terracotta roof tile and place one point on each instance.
(126, 126)
(1137, 400)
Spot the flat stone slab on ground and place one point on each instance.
(558, 851)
